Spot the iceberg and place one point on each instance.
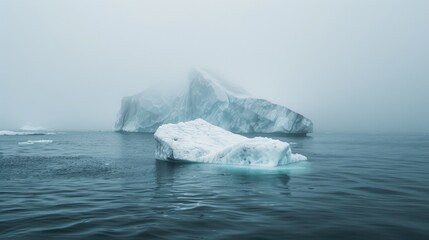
(200, 141)
(210, 98)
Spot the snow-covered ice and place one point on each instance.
(200, 141)
(214, 100)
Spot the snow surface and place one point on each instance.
(214, 100)
(200, 141)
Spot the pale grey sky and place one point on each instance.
(347, 65)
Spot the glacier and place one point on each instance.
(200, 141)
(210, 98)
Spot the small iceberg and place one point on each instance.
(29, 142)
(200, 141)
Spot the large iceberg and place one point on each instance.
(212, 99)
(200, 141)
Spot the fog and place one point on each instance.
(349, 66)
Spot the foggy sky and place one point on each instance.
(356, 66)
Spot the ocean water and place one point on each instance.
(105, 185)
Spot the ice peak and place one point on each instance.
(198, 76)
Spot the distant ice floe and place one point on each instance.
(200, 141)
(14, 133)
(29, 142)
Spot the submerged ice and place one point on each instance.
(217, 102)
(200, 141)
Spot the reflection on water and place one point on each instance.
(171, 174)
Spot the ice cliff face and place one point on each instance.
(213, 100)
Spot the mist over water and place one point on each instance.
(346, 65)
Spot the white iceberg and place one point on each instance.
(212, 99)
(200, 141)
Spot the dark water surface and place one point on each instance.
(101, 185)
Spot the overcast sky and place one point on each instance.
(347, 65)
